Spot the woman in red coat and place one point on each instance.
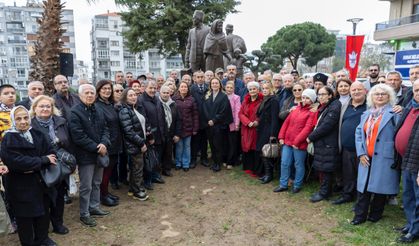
(293, 134)
(249, 123)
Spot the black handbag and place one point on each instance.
(151, 161)
(52, 174)
(103, 160)
(68, 162)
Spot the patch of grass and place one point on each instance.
(380, 233)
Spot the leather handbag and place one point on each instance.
(67, 160)
(271, 149)
(103, 160)
(52, 174)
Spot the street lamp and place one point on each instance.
(355, 22)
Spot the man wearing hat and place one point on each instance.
(295, 74)
(219, 73)
(194, 57)
(319, 80)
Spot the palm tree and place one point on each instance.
(45, 63)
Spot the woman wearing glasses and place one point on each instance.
(292, 101)
(374, 139)
(325, 141)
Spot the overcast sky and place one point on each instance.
(257, 19)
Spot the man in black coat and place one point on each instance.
(91, 136)
(199, 141)
(64, 99)
(150, 106)
(35, 88)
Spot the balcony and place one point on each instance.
(403, 28)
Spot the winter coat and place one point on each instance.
(199, 99)
(219, 111)
(247, 114)
(152, 109)
(297, 126)
(235, 109)
(410, 160)
(27, 103)
(188, 115)
(112, 120)
(24, 186)
(325, 137)
(175, 128)
(268, 121)
(88, 129)
(133, 135)
(382, 178)
(61, 132)
(65, 105)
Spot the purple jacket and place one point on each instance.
(188, 112)
(235, 108)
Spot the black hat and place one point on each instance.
(294, 71)
(142, 76)
(320, 77)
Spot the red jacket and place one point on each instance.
(247, 114)
(298, 125)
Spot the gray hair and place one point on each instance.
(83, 87)
(32, 83)
(387, 89)
(414, 66)
(231, 66)
(394, 73)
(288, 76)
(250, 74)
(164, 87)
(149, 81)
(253, 84)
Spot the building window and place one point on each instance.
(115, 63)
(102, 44)
(114, 53)
(101, 22)
(104, 54)
(129, 63)
(18, 62)
(21, 72)
(416, 7)
(115, 24)
(114, 43)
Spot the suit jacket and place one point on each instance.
(218, 110)
(199, 99)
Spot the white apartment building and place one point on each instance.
(18, 29)
(110, 55)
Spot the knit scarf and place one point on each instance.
(49, 123)
(167, 111)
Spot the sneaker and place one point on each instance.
(98, 212)
(88, 221)
(142, 196)
(130, 192)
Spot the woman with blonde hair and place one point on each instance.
(47, 119)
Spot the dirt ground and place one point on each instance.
(200, 207)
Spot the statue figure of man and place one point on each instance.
(215, 47)
(235, 46)
(194, 57)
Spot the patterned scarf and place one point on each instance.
(50, 125)
(167, 111)
(26, 134)
(4, 108)
(375, 116)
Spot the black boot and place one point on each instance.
(268, 171)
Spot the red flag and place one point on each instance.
(353, 52)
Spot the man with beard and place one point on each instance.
(373, 73)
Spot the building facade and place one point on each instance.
(110, 55)
(18, 29)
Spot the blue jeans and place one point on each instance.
(296, 157)
(183, 152)
(411, 201)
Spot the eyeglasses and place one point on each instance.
(294, 90)
(61, 82)
(378, 94)
(118, 91)
(322, 94)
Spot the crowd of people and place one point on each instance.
(359, 138)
